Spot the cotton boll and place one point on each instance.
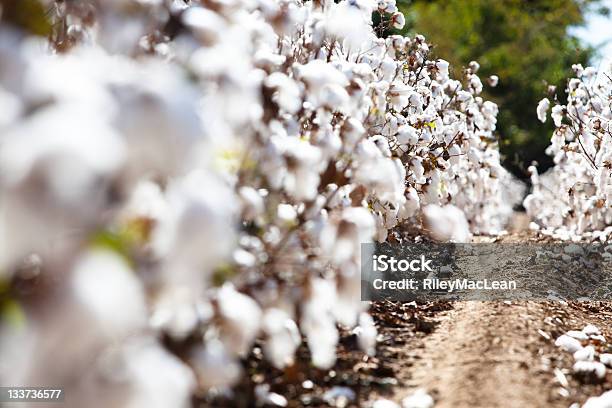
(366, 334)
(603, 401)
(349, 22)
(342, 239)
(579, 335)
(442, 67)
(475, 84)
(339, 396)
(558, 111)
(214, 367)
(592, 369)
(590, 329)
(407, 135)
(411, 204)
(205, 24)
(578, 69)
(606, 359)
(334, 97)
(318, 325)
(283, 337)
(398, 21)
(543, 106)
(175, 311)
(493, 80)
(71, 162)
(568, 343)
(252, 203)
(160, 122)
(196, 233)
(317, 74)
(474, 66)
(419, 399)
(288, 94)
(156, 378)
(302, 177)
(147, 201)
(105, 286)
(384, 403)
(585, 354)
(240, 319)
(48, 170)
(418, 171)
(446, 223)
(286, 214)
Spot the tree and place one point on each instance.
(525, 42)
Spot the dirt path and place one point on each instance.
(499, 354)
(482, 354)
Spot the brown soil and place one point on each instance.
(499, 354)
(496, 354)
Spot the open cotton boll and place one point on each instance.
(105, 286)
(341, 238)
(214, 367)
(384, 403)
(558, 111)
(349, 22)
(606, 359)
(419, 399)
(318, 325)
(204, 23)
(196, 232)
(155, 378)
(411, 205)
(283, 337)
(398, 21)
(593, 369)
(446, 223)
(159, 118)
(407, 135)
(568, 343)
(317, 73)
(301, 177)
(366, 334)
(288, 94)
(175, 311)
(585, 354)
(71, 163)
(603, 401)
(48, 169)
(542, 109)
(240, 319)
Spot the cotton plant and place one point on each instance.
(223, 162)
(573, 200)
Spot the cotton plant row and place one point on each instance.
(574, 199)
(180, 179)
(591, 364)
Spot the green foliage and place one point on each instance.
(525, 42)
(27, 15)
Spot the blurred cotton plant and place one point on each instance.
(194, 176)
(573, 200)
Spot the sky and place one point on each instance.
(597, 30)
